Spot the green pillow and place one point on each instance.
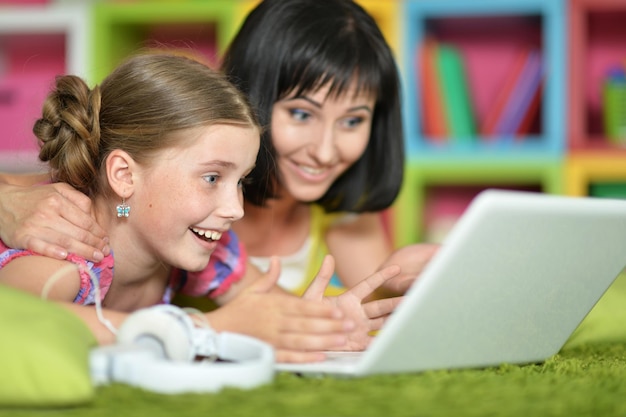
(43, 353)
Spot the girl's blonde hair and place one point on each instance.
(137, 108)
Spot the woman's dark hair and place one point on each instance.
(298, 46)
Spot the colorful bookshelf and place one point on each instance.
(121, 28)
(37, 42)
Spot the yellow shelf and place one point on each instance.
(583, 170)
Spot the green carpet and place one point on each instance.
(587, 378)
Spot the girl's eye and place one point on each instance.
(211, 179)
(299, 114)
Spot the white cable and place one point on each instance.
(106, 322)
(201, 321)
(54, 278)
(94, 281)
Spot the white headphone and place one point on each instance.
(157, 348)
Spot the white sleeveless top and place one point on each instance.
(293, 268)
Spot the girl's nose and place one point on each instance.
(231, 206)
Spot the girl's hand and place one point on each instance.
(52, 220)
(368, 317)
(298, 328)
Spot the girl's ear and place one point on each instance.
(119, 169)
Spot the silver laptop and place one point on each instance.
(513, 279)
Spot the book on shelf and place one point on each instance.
(517, 105)
(446, 108)
(433, 116)
(456, 97)
(614, 104)
(521, 98)
(488, 126)
(447, 112)
(531, 115)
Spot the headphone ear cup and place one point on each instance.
(160, 331)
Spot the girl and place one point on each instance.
(162, 148)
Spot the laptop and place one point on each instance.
(513, 279)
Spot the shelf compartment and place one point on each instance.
(582, 171)
(122, 29)
(37, 43)
(597, 43)
(413, 208)
(488, 35)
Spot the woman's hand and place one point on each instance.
(412, 260)
(52, 220)
(367, 317)
(298, 328)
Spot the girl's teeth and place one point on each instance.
(208, 233)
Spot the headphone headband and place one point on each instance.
(157, 348)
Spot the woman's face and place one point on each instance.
(317, 137)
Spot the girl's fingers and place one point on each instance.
(269, 279)
(316, 288)
(311, 343)
(292, 356)
(316, 326)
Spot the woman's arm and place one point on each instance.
(51, 219)
(25, 180)
(362, 246)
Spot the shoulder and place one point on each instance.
(321, 219)
(68, 280)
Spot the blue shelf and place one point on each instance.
(550, 140)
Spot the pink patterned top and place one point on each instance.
(227, 265)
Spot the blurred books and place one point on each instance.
(447, 113)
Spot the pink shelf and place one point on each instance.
(29, 63)
(597, 42)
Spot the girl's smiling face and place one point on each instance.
(191, 194)
(317, 137)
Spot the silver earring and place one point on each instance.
(123, 210)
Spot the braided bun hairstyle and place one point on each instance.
(138, 108)
(69, 132)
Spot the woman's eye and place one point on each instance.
(211, 179)
(352, 122)
(299, 114)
